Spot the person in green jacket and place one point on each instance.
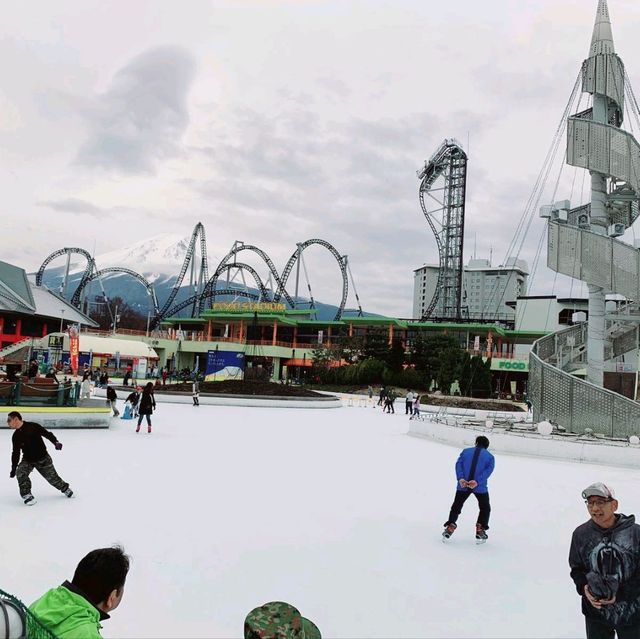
(75, 609)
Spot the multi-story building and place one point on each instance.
(486, 289)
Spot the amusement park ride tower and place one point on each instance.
(584, 243)
(443, 185)
(596, 143)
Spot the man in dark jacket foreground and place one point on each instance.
(473, 468)
(605, 567)
(75, 609)
(27, 438)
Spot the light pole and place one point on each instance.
(115, 320)
(61, 318)
(148, 320)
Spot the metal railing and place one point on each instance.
(21, 393)
(571, 402)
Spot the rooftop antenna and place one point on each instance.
(490, 255)
(475, 244)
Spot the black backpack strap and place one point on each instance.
(474, 463)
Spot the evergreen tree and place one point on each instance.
(428, 357)
(376, 345)
(465, 374)
(104, 313)
(449, 368)
(395, 359)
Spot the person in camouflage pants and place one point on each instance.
(27, 439)
(46, 468)
(279, 620)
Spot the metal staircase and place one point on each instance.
(13, 348)
(582, 244)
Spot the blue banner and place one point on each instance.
(223, 365)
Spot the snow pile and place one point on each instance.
(225, 508)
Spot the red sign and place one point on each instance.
(74, 349)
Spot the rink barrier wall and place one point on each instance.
(60, 418)
(591, 451)
(363, 401)
(254, 401)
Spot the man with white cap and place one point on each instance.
(605, 567)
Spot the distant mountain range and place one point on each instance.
(159, 259)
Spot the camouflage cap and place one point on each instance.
(279, 620)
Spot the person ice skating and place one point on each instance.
(85, 388)
(416, 407)
(279, 620)
(147, 406)
(27, 439)
(473, 469)
(408, 403)
(75, 609)
(196, 392)
(382, 396)
(112, 399)
(604, 558)
(133, 398)
(390, 398)
(370, 391)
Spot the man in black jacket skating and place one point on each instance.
(605, 567)
(28, 439)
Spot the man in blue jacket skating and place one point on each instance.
(473, 468)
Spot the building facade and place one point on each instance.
(486, 289)
(28, 311)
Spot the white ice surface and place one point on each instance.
(338, 512)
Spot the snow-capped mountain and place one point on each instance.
(158, 258)
(155, 257)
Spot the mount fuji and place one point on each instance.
(158, 259)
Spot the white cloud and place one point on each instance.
(275, 122)
(140, 119)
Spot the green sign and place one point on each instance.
(516, 365)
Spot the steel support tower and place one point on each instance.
(444, 207)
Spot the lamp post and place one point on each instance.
(115, 320)
(61, 318)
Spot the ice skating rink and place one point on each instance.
(336, 511)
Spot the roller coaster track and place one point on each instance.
(77, 296)
(204, 269)
(196, 298)
(206, 288)
(280, 292)
(272, 269)
(89, 269)
(210, 289)
(450, 162)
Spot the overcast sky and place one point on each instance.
(275, 122)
